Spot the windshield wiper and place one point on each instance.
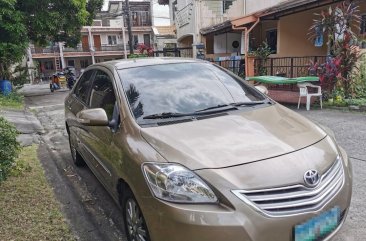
(216, 107)
(251, 103)
(165, 115)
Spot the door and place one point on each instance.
(147, 39)
(97, 42)
(100, 138)
(77, 102)
(85, 42)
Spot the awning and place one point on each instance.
(217, 29)
(282, 9)
(244, 20)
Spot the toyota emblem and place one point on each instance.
(311, 178)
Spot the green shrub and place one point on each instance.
(9, 148)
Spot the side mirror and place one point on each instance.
(93, 117)
(262, 89)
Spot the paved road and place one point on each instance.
(94, 216)
(350, 131)
(89, 209)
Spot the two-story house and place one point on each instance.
(102, 41)
(190, 16)
(233, 28)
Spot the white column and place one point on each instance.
(61, 47)
(124, 38)
(91, 45)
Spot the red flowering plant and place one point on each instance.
(142, 48)
(336, 23)
(328, 73)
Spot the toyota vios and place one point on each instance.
(191, 152)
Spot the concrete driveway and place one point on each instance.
(350, 131)
(93, 215)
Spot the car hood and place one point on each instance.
(238, 138)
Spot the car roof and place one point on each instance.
(139, 62)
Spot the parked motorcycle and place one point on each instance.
(70, 80)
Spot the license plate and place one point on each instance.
(318, 227)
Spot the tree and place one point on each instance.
(57, 20)
(13, 37)
(41, 22)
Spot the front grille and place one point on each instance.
(289, 200)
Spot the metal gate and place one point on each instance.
(184, 52)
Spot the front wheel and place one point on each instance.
(76, 157)
(135, 224)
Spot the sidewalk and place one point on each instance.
(27, 124)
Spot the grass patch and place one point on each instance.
(13, 101)
(28, 208)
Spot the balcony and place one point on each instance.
(109, 48)
(47, 50)
(77, 49)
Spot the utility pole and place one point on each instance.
(129, 28)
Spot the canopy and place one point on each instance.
(283, 80)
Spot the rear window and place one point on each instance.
(182, 88)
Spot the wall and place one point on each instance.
(253, 6)
(236, 10)
(160, 42)
(187, 13)
(223, 43)
(292, 36)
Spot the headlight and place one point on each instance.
(175, 183)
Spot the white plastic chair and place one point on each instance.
(262, 89)
(305, 93)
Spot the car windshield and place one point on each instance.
(179, 89)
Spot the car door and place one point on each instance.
(75, 103)
(100, 138)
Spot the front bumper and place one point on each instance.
(233, 219)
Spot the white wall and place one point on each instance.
(223, 43)
(253, 6)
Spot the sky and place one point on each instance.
(159, 11)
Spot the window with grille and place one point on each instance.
(112, 40)
(271, 37)
(84, 63)
(227, 4)
(48, 65)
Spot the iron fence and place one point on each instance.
(237, 66)
(290, 67)
(184, 52)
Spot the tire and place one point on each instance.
(134, 221)
(76, 157)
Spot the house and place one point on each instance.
(190, 16)
(103, 41)
(228, 29)
(164, 37)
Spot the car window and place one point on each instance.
(102, 94)
(182, 88)
(83, 86)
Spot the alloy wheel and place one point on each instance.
(135, 222)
